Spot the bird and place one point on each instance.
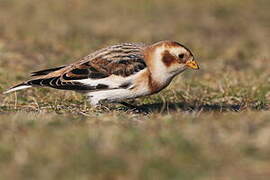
(118, 72)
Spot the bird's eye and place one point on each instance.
(181, 56)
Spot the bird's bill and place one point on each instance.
(192, 64)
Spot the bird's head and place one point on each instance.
(172, 57)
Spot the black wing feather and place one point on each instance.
(46, 71)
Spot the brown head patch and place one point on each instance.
(168, 59)
(172, 44)
(169, 44)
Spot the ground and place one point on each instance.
(208, 124)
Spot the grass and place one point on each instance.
(209, 124)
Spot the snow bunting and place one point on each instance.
(118, 72)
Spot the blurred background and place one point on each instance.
(58, 32)
(48, 134)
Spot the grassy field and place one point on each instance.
(208, 124)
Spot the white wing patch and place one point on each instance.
(112, 81)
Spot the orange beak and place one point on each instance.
(192, 64)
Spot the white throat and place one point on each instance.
(158, 69)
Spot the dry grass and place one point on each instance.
(210, 124)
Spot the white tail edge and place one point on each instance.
(16, 88)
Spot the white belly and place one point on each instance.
(115, 95)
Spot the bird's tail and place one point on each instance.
(39, 76)
(17, 87)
